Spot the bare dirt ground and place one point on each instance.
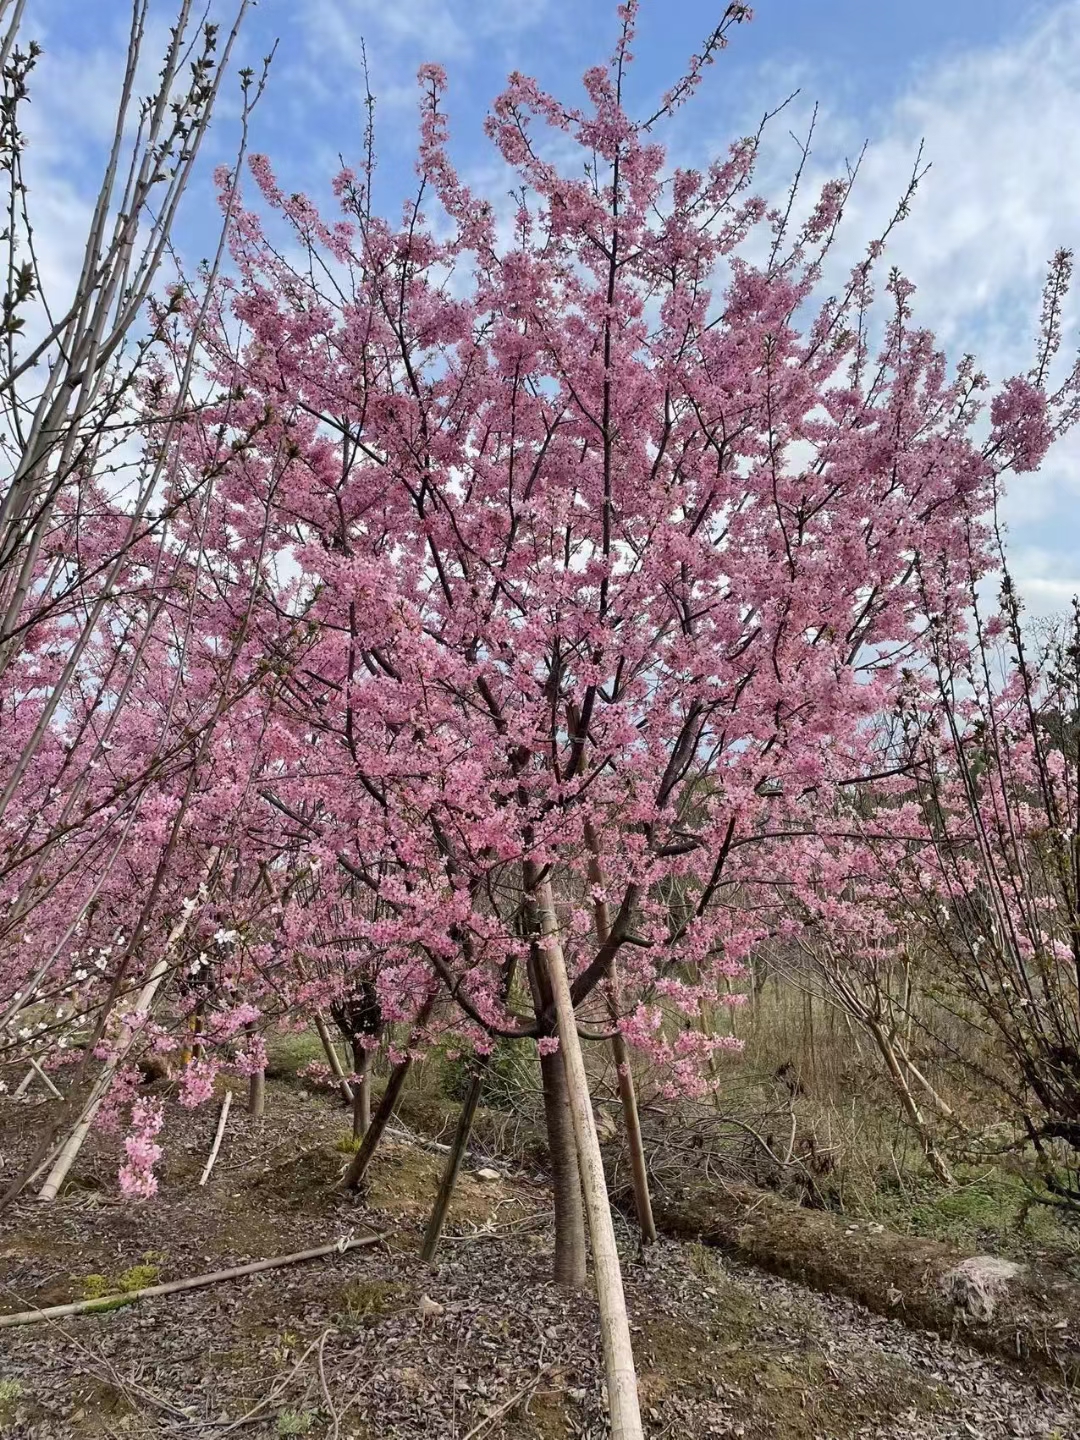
(480, 1346)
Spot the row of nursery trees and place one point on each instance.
(498, 623)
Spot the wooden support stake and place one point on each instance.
(45, 1080)
(333, 1059)
(225, 1104)
(194, 1282)
(140, 1011)
(620, 1051)
(624, 1408)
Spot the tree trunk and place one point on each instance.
(565, 1175)
(362, 1159)
(619, 1370)
(361, 1104)
(257, 1094)
(256, 1089)
(332, 1059)
(639, 1174)
(942, 1104)
(569, 1264)
(454, 1161)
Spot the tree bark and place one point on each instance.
(639, 1174)
(256, 1089)
(569, 1264)
(569, 1260)
(454, 1160)
(358, 1166)
(257, 1094)
(623, 1407)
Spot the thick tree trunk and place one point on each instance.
(332, 1059)
(639, 1174)
(454, 1160)
(358, 1166)
(623, 1407)
(565, 1176)
(570, 1255)
(256, 1089)
(257, 1094)
(361, 1105)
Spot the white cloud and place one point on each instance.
(398, 36)
(1001, 128)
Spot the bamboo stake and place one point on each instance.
(194, 1282)
(614, 1321)
(56, 1093)
(225, 1104)
(333, 1060)
(23, 1085)
(639, 1174)
(143, 1002)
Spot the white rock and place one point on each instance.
(976, 1285)
(487, 1173)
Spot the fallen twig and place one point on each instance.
(331, 1409)
(225, 1104)
(400, 1132)
(509, 1404)
(279, 1387)
(194, 1282)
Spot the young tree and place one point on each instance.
(573, 555)
(994, 887)
(607, 541)
(118, 654)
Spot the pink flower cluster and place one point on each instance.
(137, 1178)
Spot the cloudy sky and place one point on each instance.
(992, 86)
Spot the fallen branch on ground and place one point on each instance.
(194, 1282)
(519, 1395)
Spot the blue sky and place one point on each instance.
(993, 86)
